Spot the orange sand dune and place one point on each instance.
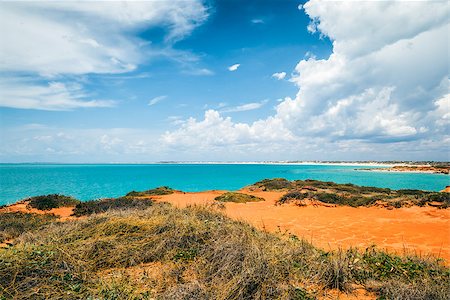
(63, 212)
(421, 230)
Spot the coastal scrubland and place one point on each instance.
(139, 247)
(349, 194)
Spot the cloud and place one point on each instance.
(279, 76)
(215, 130)
(156, 100)
(382, 93)
(55, 144)
(380, 81)
(257, 21)
(233, 67)
(199, 72)
(55, 41)
(69, 37)
(244, 107)
(25, 94)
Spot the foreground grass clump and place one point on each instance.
(47, 202)
(13, 224)
(99, 206)
(237, 198)
(159, 191)
(350, 194)
(197, 253)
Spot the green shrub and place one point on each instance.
(47, 202)
(159, 191)
(293, 195)
(274, 184)
(13, 224)
(103, 205)
(237, 198)
(330, 198)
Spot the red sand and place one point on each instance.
(63, 212)
(420, 230)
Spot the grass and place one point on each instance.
(237, 198)
(99, 206)
(13, 224)
(350, 194)
(159, 191)
(48, 202)
(164, 252)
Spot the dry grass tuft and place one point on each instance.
(99, 206)
(13, 224)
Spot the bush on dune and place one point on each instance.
(273, 184)
(292, 196)
(159, 191)
(99, 206)
(237, 198)
(197, 253)
(48, 202)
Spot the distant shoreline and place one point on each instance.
(303, 163)
(423, 169)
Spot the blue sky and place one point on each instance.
(145, 81)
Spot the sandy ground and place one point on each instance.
(419, 230)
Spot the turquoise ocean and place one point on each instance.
(18, 181)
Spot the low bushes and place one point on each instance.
(237, 198)
(273, 184)
(98, 206)
(293, 195)
(47, 202)
(159, 191)
(350, 194)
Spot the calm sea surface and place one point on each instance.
(85, 182)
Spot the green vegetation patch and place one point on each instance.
(237, 198)
(292, 196)
(99, 206)
(13, 224)
(159, 191)
(47, 202)
(273, 184)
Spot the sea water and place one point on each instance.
(18, 181)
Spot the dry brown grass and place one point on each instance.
(197, 253)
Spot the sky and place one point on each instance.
(223, 80)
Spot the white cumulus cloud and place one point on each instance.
(279, 75)
(233, 67)
(382, 91)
